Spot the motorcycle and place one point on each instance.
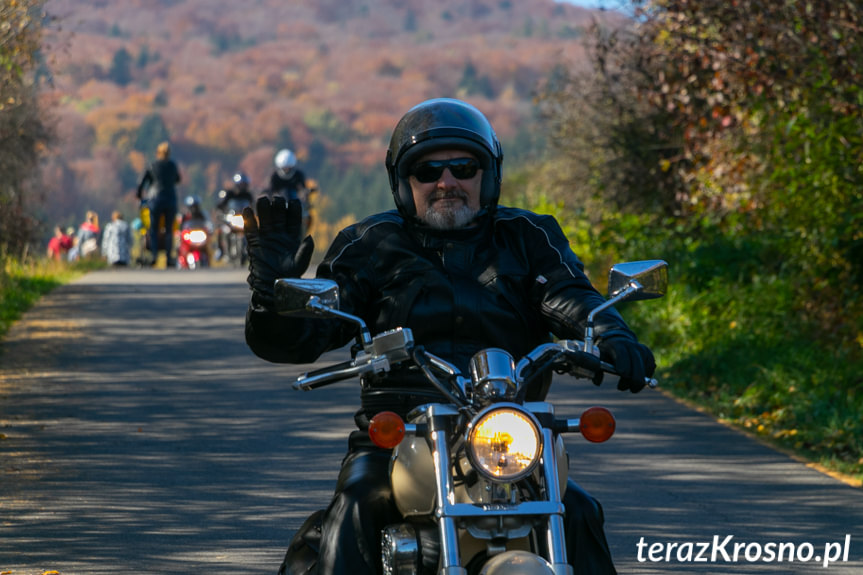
(193, 248)
(482, 474)
(231, 231)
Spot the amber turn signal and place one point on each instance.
(596, 424)
(386, 429)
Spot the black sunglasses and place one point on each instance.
(431, 171)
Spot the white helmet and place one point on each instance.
(285, 160)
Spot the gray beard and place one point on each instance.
(449, 219)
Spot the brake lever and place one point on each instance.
(325, 376)
(650, 382)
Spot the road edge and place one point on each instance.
(849, 480)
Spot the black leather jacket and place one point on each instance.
(290, 186)
(162, 176)
(509, 282)
(241, 196)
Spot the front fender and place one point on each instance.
(517, 563)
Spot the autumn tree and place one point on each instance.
(151, 132)
(121, 67)
(23, 130)
(726, 136)
(733, 117)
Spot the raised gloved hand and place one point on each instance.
(634, 361)
(275, 248)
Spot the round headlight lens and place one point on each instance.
(504, 444)
(237, 221)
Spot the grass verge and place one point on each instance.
(22, 284)
(745, 357)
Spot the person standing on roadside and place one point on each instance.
(87, 239)
(117, 241)
(60, 244)
(159, 182)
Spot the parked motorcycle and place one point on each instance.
(193, 248)
(482, 473)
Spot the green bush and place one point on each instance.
(731, 334)
(731, 337)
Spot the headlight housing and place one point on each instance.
(237, 221)
(504, 443)
(195, 237)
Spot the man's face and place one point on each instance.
(448, 202)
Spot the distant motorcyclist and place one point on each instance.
(193, 251)
(290, 182)
(287, 180)
(232, 199)
(240, 190)
(194, 215)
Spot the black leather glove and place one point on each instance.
(582, 364)
(275, 248)
(633, 361)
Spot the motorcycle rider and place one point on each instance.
(191, 251)
(287, 180)
(290, 182)
(240, 193)
(463, 274)
(194, 215)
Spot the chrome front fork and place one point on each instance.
(439, 427)
(446, 509)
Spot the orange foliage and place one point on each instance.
(227, 82)
(138, 161)
(258, 165)
(375, 123)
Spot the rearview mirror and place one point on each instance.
(651, 275)
(292, 296)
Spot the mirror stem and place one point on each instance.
(364, 336)
(632, 288)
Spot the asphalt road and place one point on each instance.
(139, 434)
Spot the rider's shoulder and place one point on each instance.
(358, 241)
(376, 227)
(505, 216)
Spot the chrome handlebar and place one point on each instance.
(396, 346)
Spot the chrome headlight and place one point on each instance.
(195, 237)
(492, 373)
(237, 221)
(504, 443)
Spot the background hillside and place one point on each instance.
(230, 82)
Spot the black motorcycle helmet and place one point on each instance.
(241, 180)
(437, 124)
